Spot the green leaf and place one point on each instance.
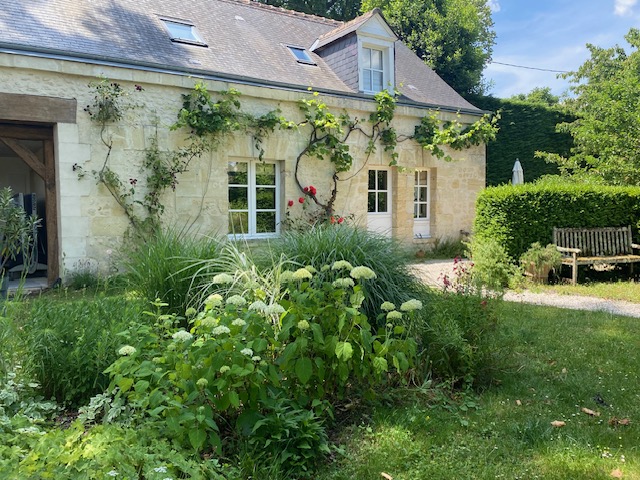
(380, 365)
(234, 399)
(344, 351)
(125, 383)
(197, 437)
(304, 369)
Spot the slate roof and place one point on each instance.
(247, 41)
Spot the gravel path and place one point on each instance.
(432, 272)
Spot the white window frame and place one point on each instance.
(252, 209)
(421, 225)
(388, 65)
(193, 38)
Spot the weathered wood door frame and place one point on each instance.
(10, 134)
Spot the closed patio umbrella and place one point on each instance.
(518, 175)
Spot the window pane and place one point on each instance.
(366, 78)
(238, 173)
(372, 179)
(238, 198)
(377, 82)
(265, 198)
(415, 210)
(382, 202)
(265, 222)
(416, 194)
(366, 58)
(423, 194)
(376, 59)
(382, 180)
(265, 174)
(371, 202)
(423, 211)
(238, 222)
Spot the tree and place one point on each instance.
(336, 9)
(606, 134)
(539, 95)
(454, 37)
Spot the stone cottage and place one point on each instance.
(53, 53)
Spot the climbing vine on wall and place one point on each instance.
(211, 119)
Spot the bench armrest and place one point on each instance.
(635, 246)
(568, 250)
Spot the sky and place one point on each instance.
(552, 35)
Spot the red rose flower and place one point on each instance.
(332, 219)
(290, 203)
(312, 190)
(340, 220)
(301, 200)
(305, 189)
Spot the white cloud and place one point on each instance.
(494, 5)
(624, 7)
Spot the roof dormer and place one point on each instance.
(361, 52)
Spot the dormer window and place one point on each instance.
(183, 32)
(376, 64)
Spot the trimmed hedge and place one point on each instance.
(524, 128)
(519, 215)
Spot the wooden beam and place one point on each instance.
(26, 155)
(51, 203)
(34, 108)
(26, 132)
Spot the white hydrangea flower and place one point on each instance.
(208, 322)
(258, 306)
(182, 336)
(224, 369)
(161, 469)
(220, 330)
(302, 274)
(213, 300)
(343, 283)
(237, 300)
(311, 269)
(394, 315)
(286, 276)
(238, 322)
(127, 350)
(247, 351)
(387, 306)
(303, 325)
(341, 265)
(256, 358)
(362, 272)
(274, 309)
(411, 305)
(222, 278)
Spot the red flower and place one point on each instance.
(340, 220)
(332, 219)
(290, 203)
(301, 200)
(312, 190)
(305, 189)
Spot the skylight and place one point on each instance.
(301, 54)
(183, 32)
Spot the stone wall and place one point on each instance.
(91, 223)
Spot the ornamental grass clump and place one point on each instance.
(345, 246)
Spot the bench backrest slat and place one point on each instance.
(599, 242)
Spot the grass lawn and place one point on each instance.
(557, 362)
(621, 290)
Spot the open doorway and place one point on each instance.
(27, 166)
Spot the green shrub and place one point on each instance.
(164, 266)
(323, 245)
(241, 352)
(493, 269)
(517, 216)
(67, 344)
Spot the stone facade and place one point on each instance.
(91, 223)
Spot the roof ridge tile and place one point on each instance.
(291, 13)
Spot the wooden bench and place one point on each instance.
(590, 246)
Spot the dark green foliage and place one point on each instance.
(67, 344)
(521, 215)
(337, 9)
(165, 264)
(323, 245)
(524, 129)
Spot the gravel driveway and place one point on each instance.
(432, 272)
